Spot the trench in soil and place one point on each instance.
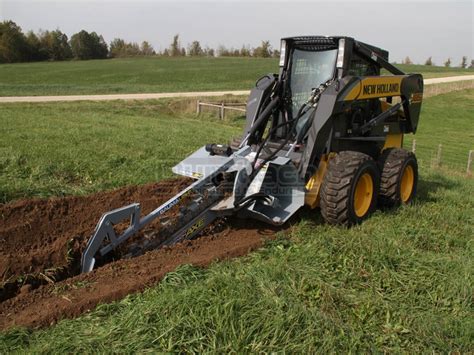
(41, 240)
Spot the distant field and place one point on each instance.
(76, 148)
(434, 72)
(400, 283)
(134, 75)
(84, 147)
(143, 75)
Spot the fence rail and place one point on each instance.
(232, 106)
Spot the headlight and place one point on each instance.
(282, 52)
(340, 54)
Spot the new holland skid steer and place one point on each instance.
(326, 131)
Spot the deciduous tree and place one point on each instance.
(37, 52)
(245, 51)
(194, 49)
(222, 51)
(55, 45)
(13, 44)
(175, 47)
(264, 50)
(208, 52)
(87, 45)
(407, 60)
(147, 49)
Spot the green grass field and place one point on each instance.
(77, 148)
(400, 282)
(159, 74)
(453, 128)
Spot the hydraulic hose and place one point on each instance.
(286, 123)
(245, 201)
(263, 116)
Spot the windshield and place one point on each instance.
(308, 71)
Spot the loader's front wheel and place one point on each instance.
(399, 178)
(349, 189)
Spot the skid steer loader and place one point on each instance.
(326, 131)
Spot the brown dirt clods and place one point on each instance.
(41, 241)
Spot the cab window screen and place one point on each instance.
(308, 71)
(360, 67)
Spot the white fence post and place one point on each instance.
(469, 162)
(438, 155)
(198, 107)
(222, 111)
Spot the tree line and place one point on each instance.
(447, 63)
(16, 46)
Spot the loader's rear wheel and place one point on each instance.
(399, 177)
(349, 189)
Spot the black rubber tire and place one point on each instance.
(392, 163)
(339, 185)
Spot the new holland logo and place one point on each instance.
(380, 89)
(373, 87)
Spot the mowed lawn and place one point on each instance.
(157, 74)
(400, 282)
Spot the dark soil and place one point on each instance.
(41, 241)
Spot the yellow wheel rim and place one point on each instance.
(406, 185)
(363, 195)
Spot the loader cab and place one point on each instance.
(305, 63)
(329, 87)
(308, 62)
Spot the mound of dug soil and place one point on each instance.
(41, 242)
(41, 239)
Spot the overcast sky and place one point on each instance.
(416, 28)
